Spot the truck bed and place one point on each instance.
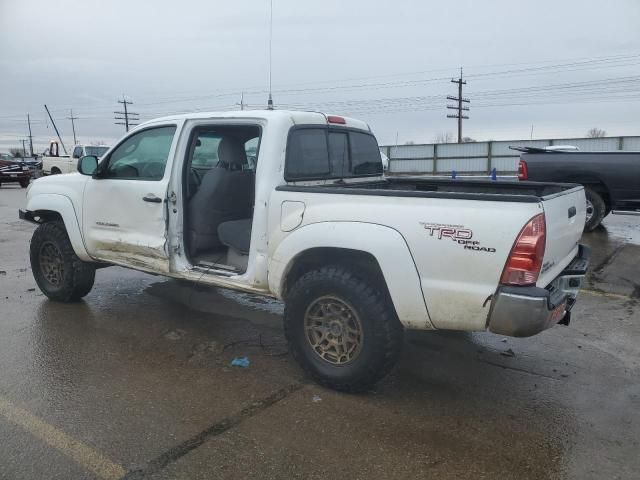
(501, 191)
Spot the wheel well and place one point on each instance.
(55, 169)
(594, 184)
(43, 216)
(361, 263)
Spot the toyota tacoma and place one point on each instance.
(308, 218)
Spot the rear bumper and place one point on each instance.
(15, 176)
(525, 311)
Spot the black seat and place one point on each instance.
(236, 234)
(225, 193)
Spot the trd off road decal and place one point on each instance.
(457, 233)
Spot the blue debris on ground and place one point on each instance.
(240, 362)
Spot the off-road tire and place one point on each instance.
(75, 278)
(382, 332)
(599, 209)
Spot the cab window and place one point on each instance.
(317, 153)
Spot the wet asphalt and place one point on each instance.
(135, 382)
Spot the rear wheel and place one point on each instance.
(596, 209)
(58, 271)
(55, 171)
(341, 330)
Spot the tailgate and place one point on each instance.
(565, 214)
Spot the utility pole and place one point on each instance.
(73, 126)
(128, 117)
(30, 136)
(24, 150)
(459, 107)
(241, 101)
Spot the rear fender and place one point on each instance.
(385, 244)
(50, 202)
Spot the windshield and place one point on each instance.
(96, 151)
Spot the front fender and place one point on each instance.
(62, 205)
(386, 245)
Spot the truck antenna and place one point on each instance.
(270, 100)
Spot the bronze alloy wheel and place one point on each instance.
(52, 263)
(333, 329)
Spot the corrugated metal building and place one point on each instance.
(479, 158)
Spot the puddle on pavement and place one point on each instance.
(619, 227)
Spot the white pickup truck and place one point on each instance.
(53, 163)
(308, 218)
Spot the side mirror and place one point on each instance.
(88, 164)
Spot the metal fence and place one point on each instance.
(480, 158)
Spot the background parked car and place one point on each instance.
(17, 170)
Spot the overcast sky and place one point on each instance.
(561, 66)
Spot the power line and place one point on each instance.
(578, 64)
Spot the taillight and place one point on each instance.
(523, 171)
(525, 260)
(336, 119)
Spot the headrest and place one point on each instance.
(231, 151)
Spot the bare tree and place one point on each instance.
(443, 137)
(468, 140)
(16, 152)
(409, 142)
(596, 133)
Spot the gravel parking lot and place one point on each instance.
(135, 382)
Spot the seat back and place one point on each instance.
(225, 193)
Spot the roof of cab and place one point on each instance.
(297, 117)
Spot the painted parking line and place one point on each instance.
(80, 453)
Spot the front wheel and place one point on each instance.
(58, 271)
(24, 183)
(341, 330)
(596, 209)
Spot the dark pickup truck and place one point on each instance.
(17, 170)
(611, 179)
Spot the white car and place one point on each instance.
(309, 219)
